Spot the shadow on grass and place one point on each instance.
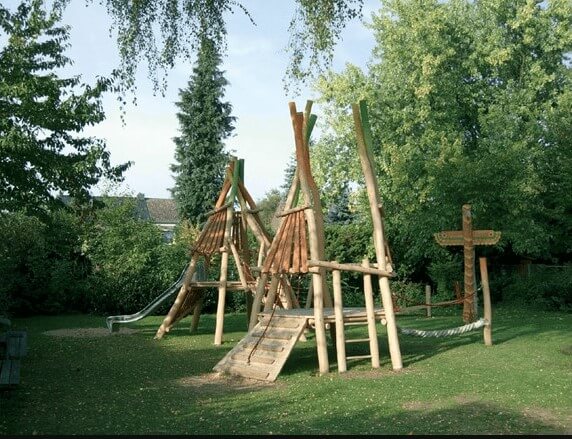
(456, 415)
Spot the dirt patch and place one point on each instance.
(418, 405)
(434, 405)
(351, 374)
(550, 418)
(466, 399)
(88, 332)
(219, 384)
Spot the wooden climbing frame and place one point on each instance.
(224, 233)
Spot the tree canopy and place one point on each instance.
(42, 115)
(161, 31)
(470, 103)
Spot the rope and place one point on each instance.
(410, 302)
(444, 332)
(276, 298)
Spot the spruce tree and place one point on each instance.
(205, 122)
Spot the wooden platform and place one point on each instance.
(350, 314)
(262, 353)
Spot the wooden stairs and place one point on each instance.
(262, 353)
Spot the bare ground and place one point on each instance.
(88, 332)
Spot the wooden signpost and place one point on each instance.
(468, 238)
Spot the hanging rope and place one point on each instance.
(444, 332)
(410, 302)
(276, 299)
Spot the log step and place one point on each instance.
(273, 333)
(246, 370)
(281, 323)
(358, 357)
(272, 346)
(256, 357)
(357, 340)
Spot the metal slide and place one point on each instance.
(113, 322)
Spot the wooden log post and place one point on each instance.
(339, 316)
(197, 314)
(287, 296)
(315, 228)
(469, 262)
(370, 311)
(364, 143)
(257, 302)
(428, 299)
(272, 291)
(310, 296)
(199, 305)
(487, 308)
(261, 254)
(169, 318)
(221, 295)
(224, 263)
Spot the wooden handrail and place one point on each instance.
(349, 267)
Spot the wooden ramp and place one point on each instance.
(262, 353)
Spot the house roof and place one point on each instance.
(162, 210)
(158, 210)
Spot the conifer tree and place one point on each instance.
(205, 122)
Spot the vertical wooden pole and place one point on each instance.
(476, 295)
(364, 150)
(287, 294)
(314, 220)
(370, 310)
(487, 308)
(197, 314)
(260, 289)
(223, 278)
(310, 296)
(469, 263)
(271, 296)
(168, 320)
(261, 254)
(249, 302)
(428, 299)
(339, 316)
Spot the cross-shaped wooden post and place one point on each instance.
(468, 238)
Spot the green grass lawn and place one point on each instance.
(132, 384)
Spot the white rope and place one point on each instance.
(444, 332)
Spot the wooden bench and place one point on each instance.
(9, 374)
(15, 344)
(13, 347)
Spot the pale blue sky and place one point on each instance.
(254, 66)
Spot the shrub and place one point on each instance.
(42, 268)
(545, 287)
(131, 264)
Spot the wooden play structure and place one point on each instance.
(225, 233)
(298, 248)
